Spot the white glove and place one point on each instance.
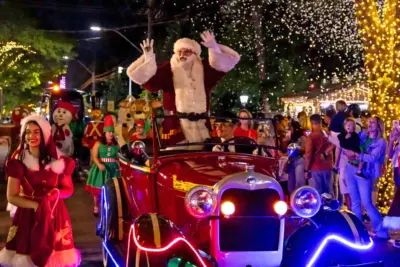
(147, 47)
(217, 148)
(209, 41)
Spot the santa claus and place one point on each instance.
(187, 82)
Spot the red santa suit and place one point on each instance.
(93, 133)
(184, 92)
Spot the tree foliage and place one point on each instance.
(30, 56)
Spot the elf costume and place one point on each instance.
(107, 155)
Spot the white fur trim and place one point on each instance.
(57, 166)
(43, 124)
(70, 258)
(141, 71)
(224, 61)
(187, 43)
(30, 161)
(391, 222)
(190, 94)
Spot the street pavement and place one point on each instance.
(84, 230)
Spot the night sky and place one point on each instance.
(74, 18)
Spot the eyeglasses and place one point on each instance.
(185, 52)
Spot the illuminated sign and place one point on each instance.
(63, 82)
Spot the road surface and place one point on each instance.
(83, 225)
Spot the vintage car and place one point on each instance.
(197, 208)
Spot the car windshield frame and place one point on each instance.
(157, 123)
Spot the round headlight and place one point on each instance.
(200, 202)
(305, 201)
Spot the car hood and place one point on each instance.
(208, 168)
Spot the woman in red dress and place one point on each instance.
(245, 127)
(41, 233)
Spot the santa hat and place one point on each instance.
(67, 106)
(43, 124)
(186, 43)
(108, 124)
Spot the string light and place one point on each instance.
(378, 27)
(297, 38)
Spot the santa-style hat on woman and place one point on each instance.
(57, 165)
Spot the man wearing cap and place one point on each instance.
(139, 132)
(225, 127)
(186, 81)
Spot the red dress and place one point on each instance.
(36, 183)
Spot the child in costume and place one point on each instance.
(141, 131)
(39, 178)
(105, 162)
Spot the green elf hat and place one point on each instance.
(108, 124)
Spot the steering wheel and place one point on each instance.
(245, 147)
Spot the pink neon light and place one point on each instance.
(158, 250)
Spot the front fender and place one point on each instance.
(338, 231)
(161, 240)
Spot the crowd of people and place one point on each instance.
(343, 153)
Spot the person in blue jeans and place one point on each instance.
(296, 177)
(318, 164)
(373, 146)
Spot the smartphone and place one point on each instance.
(396, 124)
(308, 132)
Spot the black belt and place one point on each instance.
(192, 116)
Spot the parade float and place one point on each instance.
(181, 207)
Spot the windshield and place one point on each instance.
(191, 133)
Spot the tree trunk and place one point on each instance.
(150, 18)
(257, 12)
(380, 38)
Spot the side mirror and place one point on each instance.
(329, 203)
(138, 147)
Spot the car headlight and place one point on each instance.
(200, 202)
(305, 201)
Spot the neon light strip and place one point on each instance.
(176, 240)
(109, 253)
(337, 239)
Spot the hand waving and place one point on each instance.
(147, 47)
(209, 40)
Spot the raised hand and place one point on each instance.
(147, 47)
(209, 40)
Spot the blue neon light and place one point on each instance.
(339, 239)
(109, 253)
